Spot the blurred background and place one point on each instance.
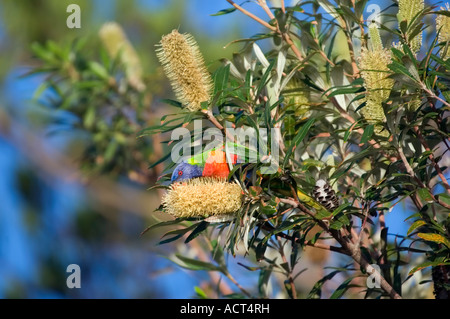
(59, 208)
(55, 212)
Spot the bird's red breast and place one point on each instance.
(216, 164)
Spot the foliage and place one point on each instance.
(97, 92)
(372, 170)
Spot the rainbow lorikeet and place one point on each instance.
(211, 163)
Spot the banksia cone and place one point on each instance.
(203, 197)
(116, 42)
(325, 195)
(443, 26)
(184, 66)
(375, 72)
(408, 10)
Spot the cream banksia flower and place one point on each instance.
(203, 197)
(443, 25)
(374, 71)
(183, 64)
(408, 10)
(115, 41)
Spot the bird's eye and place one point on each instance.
(180, 173)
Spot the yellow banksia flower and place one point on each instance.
(203, 197)
(374, 71)
(443, 25)
(116, 42)
(408, 10)
(183, 64)
(298, 96)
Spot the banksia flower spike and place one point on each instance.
(443, 26)
(408, 10)
(116, 42)
(203, 197)
(375, 72)
(183, 64)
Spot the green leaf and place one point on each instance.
(166, 223)
(339, 292)
(178, 234)
(427, 264)
(341, 208)
(194, 264)
(436, 238)
(222, 12)
(415, 225)
(444, 197)
(425, 195)
(217, 254)
(265, 77)
(263, 281)
(98, 70)
(172, 102)
(368, 132)
(316, 291)
(220, 81)
(200, 293)
(297, 139)
(260, 249)
(349, 90)
(197, 231)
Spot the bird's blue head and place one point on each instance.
(185, 171)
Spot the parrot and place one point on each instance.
(185, 171)
(211, 163)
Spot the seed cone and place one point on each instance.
(408, 10)
(115, 41)
(203, 197)
(183, 64)
(443, 26)
(325, 195)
